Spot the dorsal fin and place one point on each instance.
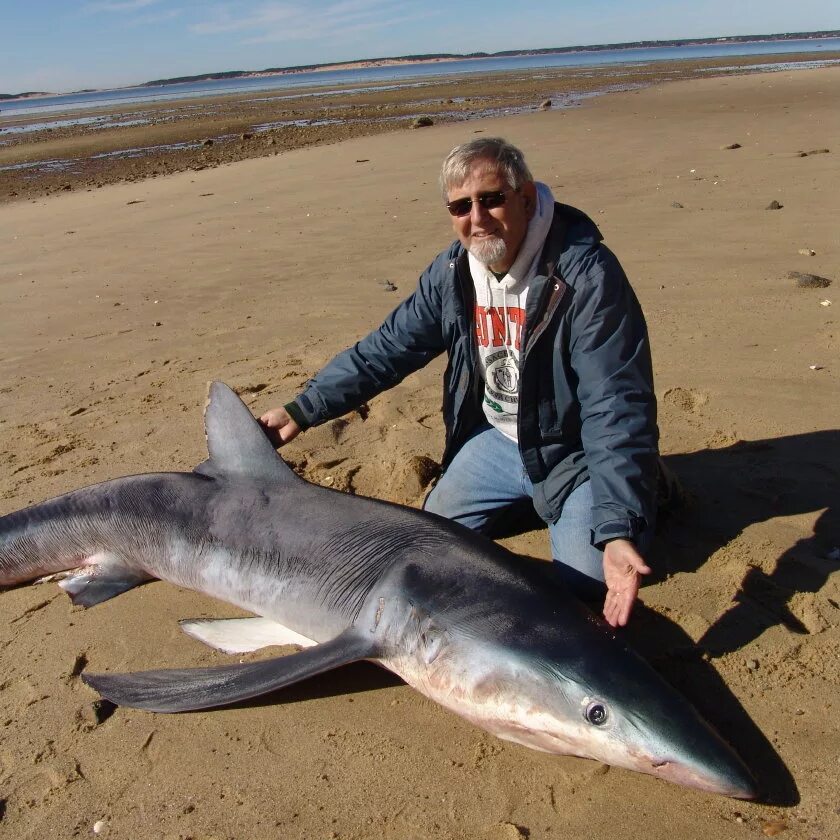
(236, 443)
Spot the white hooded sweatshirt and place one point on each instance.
(500, 317)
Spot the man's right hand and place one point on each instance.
(623, 567)
(279, 426)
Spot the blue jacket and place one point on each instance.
(587, 409)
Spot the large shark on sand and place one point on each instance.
(347, 578)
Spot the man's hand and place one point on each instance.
(279, 426)
(622, 567)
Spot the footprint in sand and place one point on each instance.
(6, 764)
(410, 478)
(685, 399)
(815, 612)
(339, 427)
(508, 831)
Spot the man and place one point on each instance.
(548, 394)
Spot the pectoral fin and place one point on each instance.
(187, 689)
(242, 635)
(102, 577)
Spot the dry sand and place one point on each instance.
(118, 305)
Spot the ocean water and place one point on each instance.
(398, 75)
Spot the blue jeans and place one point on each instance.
(487, 475)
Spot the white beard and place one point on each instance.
(488, 251)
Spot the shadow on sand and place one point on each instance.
(727, 490)
(753, 481)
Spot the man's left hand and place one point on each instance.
(623, 566)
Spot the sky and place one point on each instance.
(60, 45)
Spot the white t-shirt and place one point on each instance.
(500, 317)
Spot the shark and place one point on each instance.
(498, 641)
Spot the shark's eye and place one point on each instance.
(596, 714)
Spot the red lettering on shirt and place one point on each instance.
(499, 322)
(481, 326)
(517, 316)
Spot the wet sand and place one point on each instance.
(91, 147)
(118, 304)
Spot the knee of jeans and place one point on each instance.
(435, 501)
(446, 501)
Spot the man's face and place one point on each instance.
(493, 236)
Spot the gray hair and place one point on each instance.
(507, 159)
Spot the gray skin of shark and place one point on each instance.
(461, 619)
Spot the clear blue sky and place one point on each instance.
(60, 45)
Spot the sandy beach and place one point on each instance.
(120, 303)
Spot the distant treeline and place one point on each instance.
(23, 95)
(679, 42)
(303, 68)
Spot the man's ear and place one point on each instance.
(529, 193)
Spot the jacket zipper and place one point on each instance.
(468, 300)
(557, 291)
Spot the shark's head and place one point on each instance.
(590, 696)
(555, 678)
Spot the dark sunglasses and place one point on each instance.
(488, 200)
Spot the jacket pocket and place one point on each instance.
(557, 408)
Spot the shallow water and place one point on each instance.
(92, 122)
(583, 58)
(560, 100)
(781, 65)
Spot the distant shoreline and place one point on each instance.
(431, 58)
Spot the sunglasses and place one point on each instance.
(489, 201)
